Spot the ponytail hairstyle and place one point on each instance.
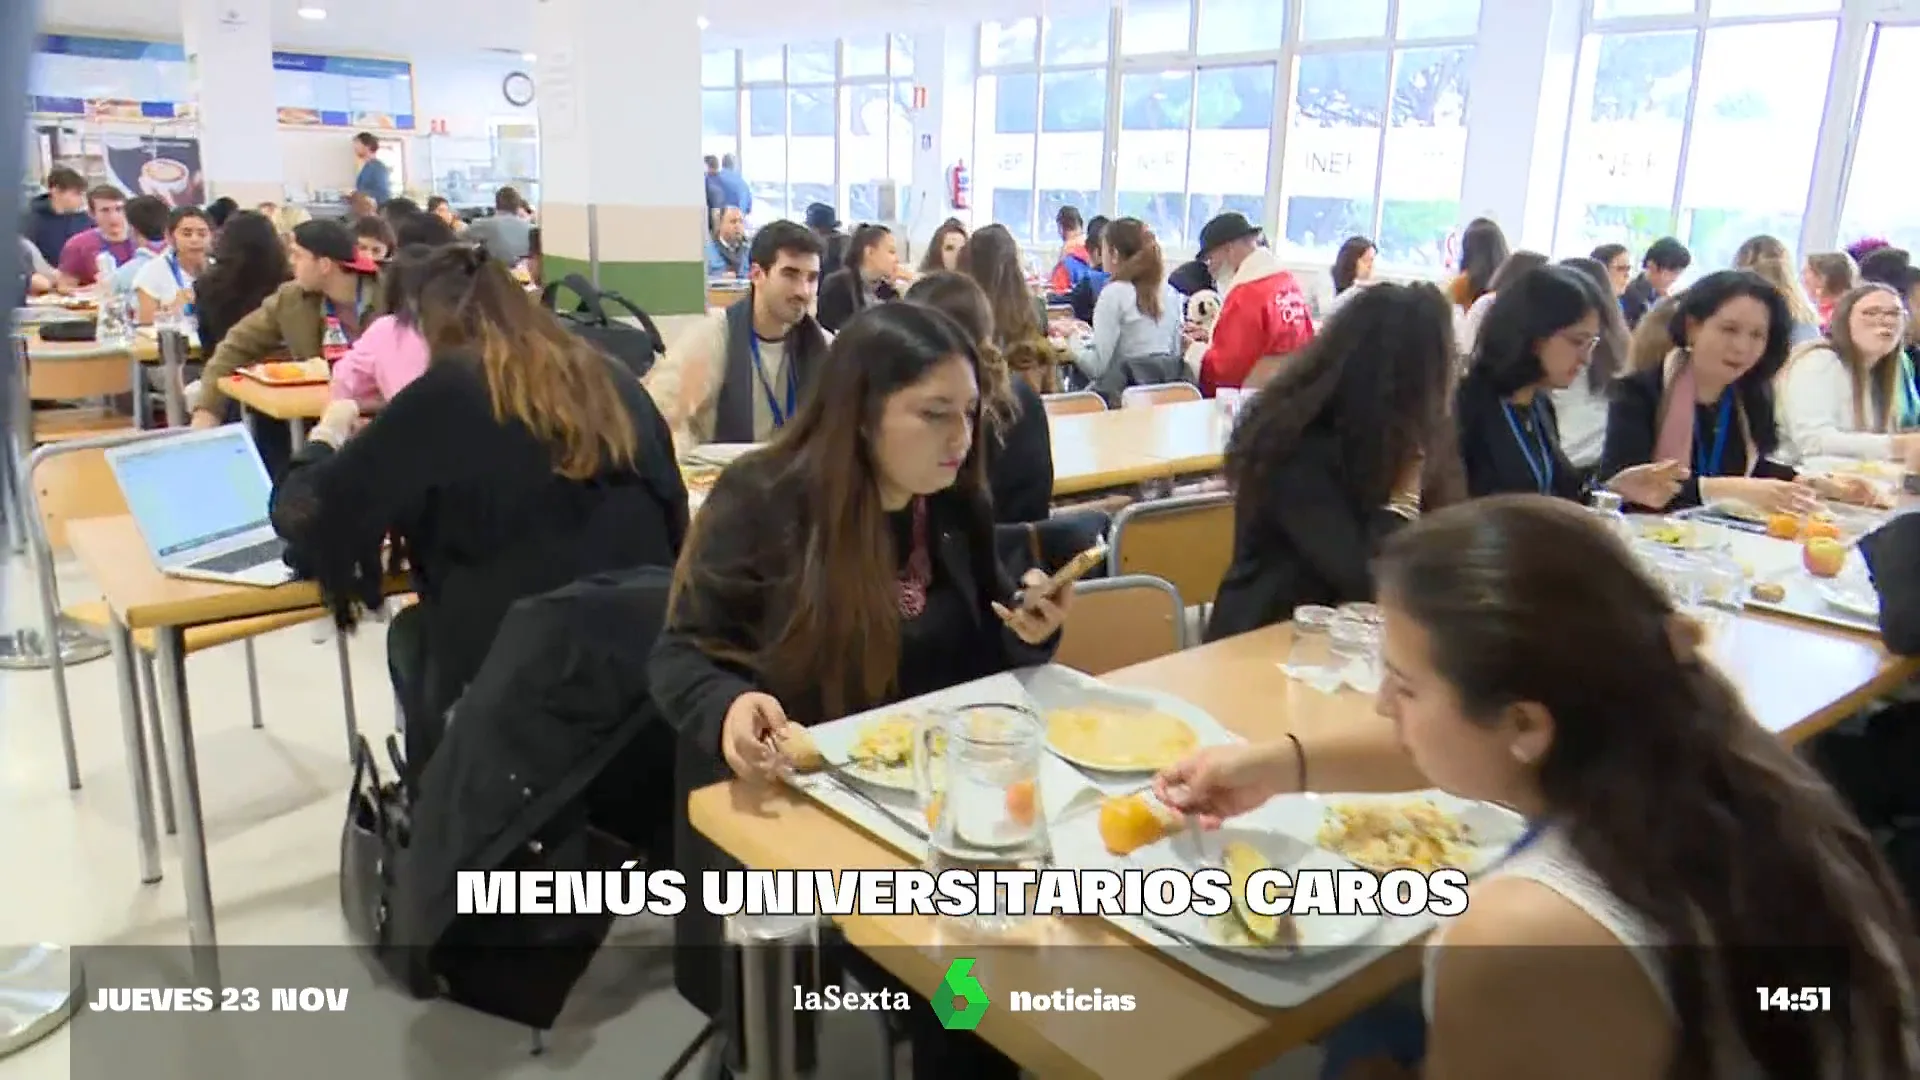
(1137, 261)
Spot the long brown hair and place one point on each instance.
(1768, 257)
(1138, 262)
(1873, 379)
(931, 261)
(835, 635)
(962, 301)
(1748, 866)
(551, 381)
(992, 260)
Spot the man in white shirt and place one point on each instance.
(741, 374)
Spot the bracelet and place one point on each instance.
(1300, 757)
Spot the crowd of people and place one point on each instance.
(852, 560)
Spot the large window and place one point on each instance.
(1668, 122)
(1376, 137)
(1041, 80)
(1879, 193)
(824, 122)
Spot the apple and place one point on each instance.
(1824, 556)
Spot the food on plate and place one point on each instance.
(1824, 556)
(1769, 592)
(1242, 860)
(699, 478)
(885, 743)
(1022, 801)
(1410, 835)
(1670, 533)
(1783, 526)
(292, 371)
(290, 115)
(1131, 822)
(1143, 739)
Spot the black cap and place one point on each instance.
(1225, 229)
(821, 216)
(333, 240)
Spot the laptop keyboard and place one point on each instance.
(246, 558)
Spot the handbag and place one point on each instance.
(372, 842)
(634, 346)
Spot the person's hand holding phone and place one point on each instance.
(1042, 611)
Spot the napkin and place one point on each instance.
(1364, 678)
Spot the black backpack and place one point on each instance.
(637, 347)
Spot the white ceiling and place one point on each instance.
(439, 27)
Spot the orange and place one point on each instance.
(1128, 823)
(1783, 526)
(1020, 801)
(933, 811)
(1816, 528)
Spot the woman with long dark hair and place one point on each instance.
(1678, 857)
(1019, 446)
(1352, 271)
(848, 564)
(521, 460)
(1582, 405)
(943, 247)
(1539, 335)
(1339, 450)
(867, 278)
(249, 265)
(1483, 248)
(992, 259)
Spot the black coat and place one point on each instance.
(1303, 541)
(843, 295)
(1020, 465)
(1633, 423)
(558, 732)
(1892, 553)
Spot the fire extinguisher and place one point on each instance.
(959, 188)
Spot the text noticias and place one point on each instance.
(960, 892)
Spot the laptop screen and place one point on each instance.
(194, 492)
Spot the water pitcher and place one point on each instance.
(977, 770)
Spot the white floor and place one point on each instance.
(273, 803)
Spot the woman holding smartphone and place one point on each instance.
(847, 565)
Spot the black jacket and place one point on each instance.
(752, 527)
(557, 733)
(1637, 299)
(842, 296)
(1495, 461)
(1633, 420)
(1020, 466)
(1307, 542)
(50, 231)
(1893, 559)
(1191, 277)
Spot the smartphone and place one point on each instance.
(1077, 567)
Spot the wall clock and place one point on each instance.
(518, 88)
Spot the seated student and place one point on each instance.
(249, 264)
(147, 218)
(1086, 291)
(504, 233)
(1352, 271)
(439, 207)
(1263, 312)
(992, 259)
(1828, 276)
(727, 245)
(1581, 408)
(849, 564)
(391, 353)
(1709, 401)
(1839, 397)
(1020, 447)
(1665, 261)
(873, 263)
(943, 247)
(1516, 264)
(427, 229)
(167, 282)
(37, 274)
(1138, 315)
(333, 286)
(1537, 338)
(1335, 454)
(1074, 264)
(1768, 257)
(1619, 263)
(739, 376)
(1669, 837)
(373, 237)
(523, 459)
(79, 261)
(1483, 251)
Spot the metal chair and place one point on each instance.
(1073, 403)
(1186, 540)
(70, 481)
(1121, 621)
(1134, 397)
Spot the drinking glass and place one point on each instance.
(1355, 648)
(983, 787)
(1310, 655)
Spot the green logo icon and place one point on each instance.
(960, 1001)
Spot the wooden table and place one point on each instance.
(140, 597)
(297, 405)
(1122, 447)
(1798, 679)
(723, 295)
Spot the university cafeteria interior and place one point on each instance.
(460, 452)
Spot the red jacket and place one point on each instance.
(1264, 314)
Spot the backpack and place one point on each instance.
(636, 347)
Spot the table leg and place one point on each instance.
(297, 433)
(174, 710)
(136, 739)
(56, 663)
(140, 402)
(346, 693)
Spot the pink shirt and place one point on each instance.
(387, 357)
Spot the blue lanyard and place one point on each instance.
(1909, 392)
(1542, 467)
(178, 281)
(1526, 840)
(780, 417)
(1704, 466)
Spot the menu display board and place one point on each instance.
(343, 91)
(110, 79)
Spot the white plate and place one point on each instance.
(719, 453)
(1491, 829)
(1187, 852)
(1120, 770)
(836, 742)
(1852, 598)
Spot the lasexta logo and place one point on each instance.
(960, 1001)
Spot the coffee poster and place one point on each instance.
(166, 166)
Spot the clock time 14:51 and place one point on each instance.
(1805, 999)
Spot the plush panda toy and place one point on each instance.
(1203, 310)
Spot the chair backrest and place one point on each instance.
(1158, 394)
(1070, 404)
(1117, 622)
(1187, 540)
(70, 481)
(72, 379)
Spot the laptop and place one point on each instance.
(200, 501)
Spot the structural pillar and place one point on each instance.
(229, 46)
(622, 198)
(1522, 93)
